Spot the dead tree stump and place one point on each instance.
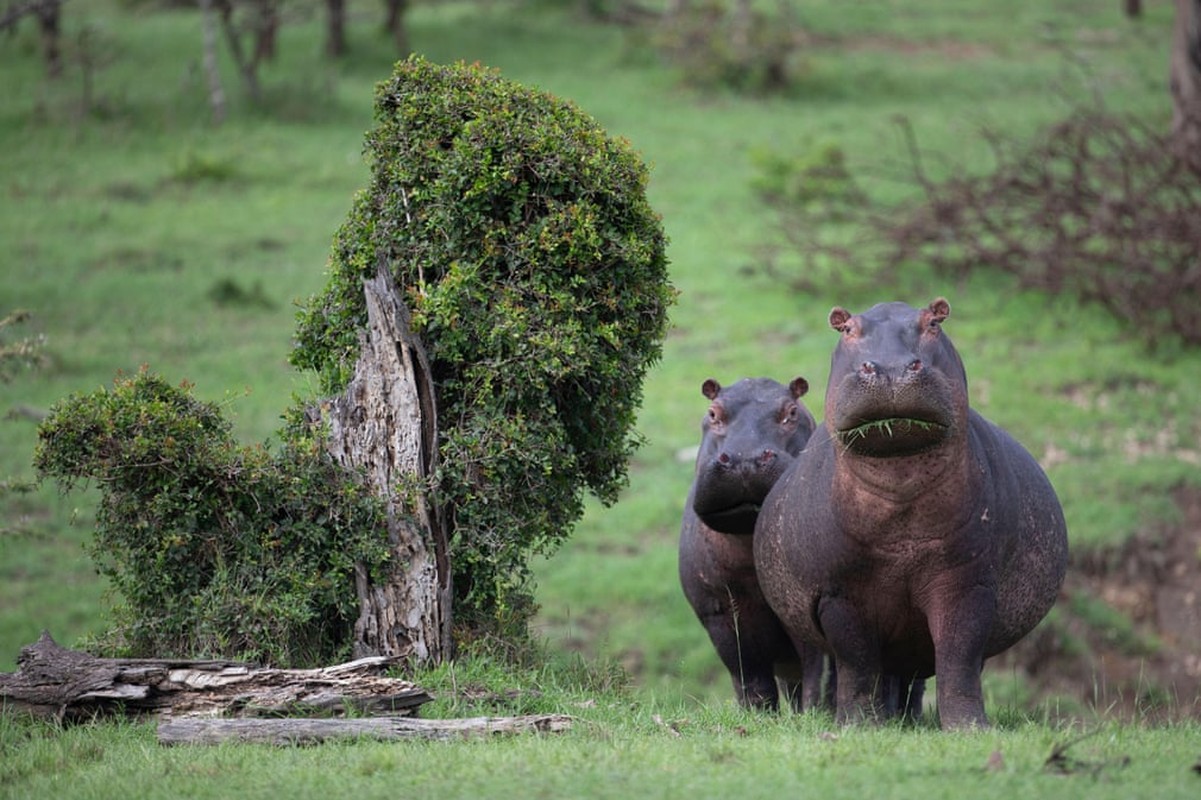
(385, 425)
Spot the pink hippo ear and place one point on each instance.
(839, 319)
(710, 388)
(798, 387)
(939, 310)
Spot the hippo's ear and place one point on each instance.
(839, 317)
(710, 388)
(798, 387)
(940, 309)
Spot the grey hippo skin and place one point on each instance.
(912, 537)
(752, 432)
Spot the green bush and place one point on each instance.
(213, 548)
(535, 270)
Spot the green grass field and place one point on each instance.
(122, 229)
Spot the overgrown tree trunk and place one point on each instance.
(335, 28)
(1186, 83)
(385, 425)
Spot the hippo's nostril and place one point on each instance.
(724, 458)
(767, 456)
(867, 368)
(915, 365)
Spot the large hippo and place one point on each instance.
(912, 537)
(751, 433)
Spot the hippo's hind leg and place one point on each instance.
(807, 679)
(903, 697)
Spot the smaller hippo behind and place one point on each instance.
(752, 432)
(912, 537)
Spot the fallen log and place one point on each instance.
(195, 730)
(54, 681)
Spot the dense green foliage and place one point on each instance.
(535, 269)
(213, 548)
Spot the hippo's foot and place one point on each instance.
(961, 711)
(758, 693)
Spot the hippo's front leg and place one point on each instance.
(856, 661)
(960, 627)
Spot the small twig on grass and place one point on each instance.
(1060, 763)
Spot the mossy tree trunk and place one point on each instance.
(385, 425)
(1186, 82)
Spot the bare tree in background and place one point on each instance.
(260, 23)
(216, 92)
(394, 23)
(49, 16)
(1186, 83)
(335, 28)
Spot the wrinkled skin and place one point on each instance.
(912, 537)
(751, 433)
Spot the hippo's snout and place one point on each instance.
(907, 370)
(892, 408)
(731, 487)
(736, 462)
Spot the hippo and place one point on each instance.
(911, 537)
(751, 433)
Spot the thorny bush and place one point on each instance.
(1096, 206)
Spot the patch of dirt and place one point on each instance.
(1126, 636)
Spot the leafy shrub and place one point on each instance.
(212, 547)
(535, 270)
(719, 44)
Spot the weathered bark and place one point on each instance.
(310, 731)
(67, 684)
(1186, 83)
(385, 425)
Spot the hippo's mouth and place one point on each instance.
(893, 436)
(738, 519)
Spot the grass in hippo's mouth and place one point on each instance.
(893, 426)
